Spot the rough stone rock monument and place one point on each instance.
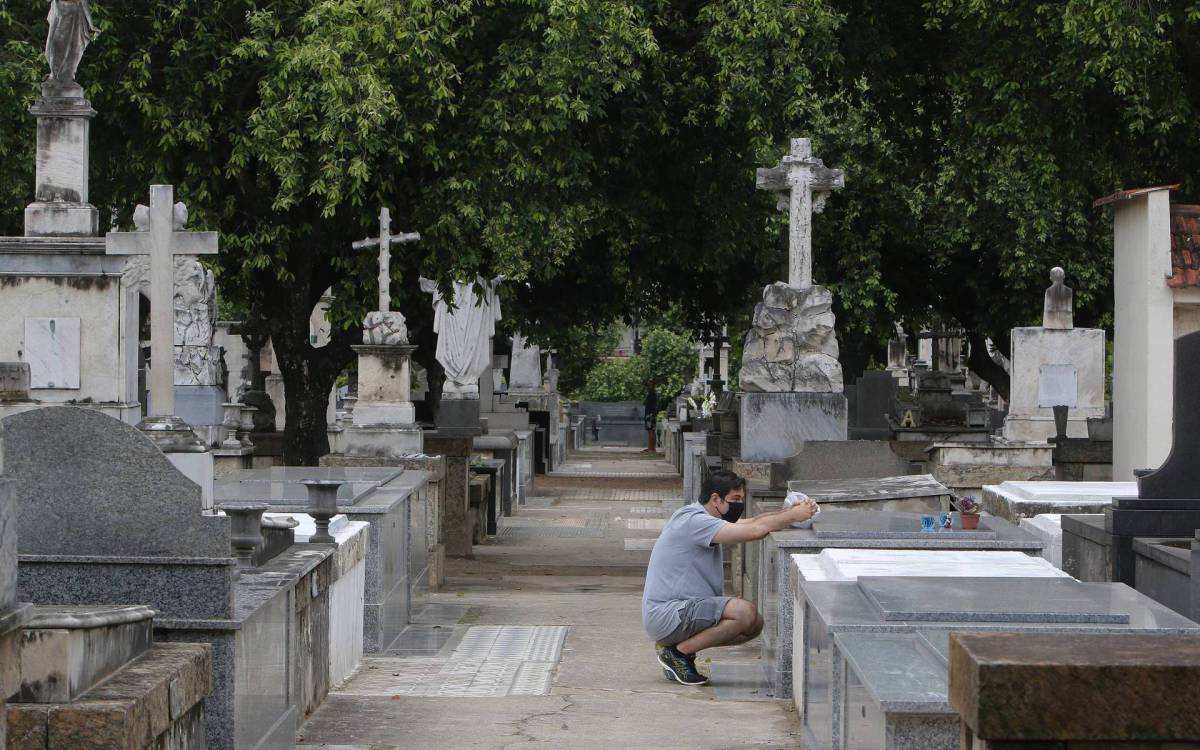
(790, 376)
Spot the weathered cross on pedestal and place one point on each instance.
(809, 182)
(160, 236)
(384, 242)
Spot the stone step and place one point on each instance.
(66, 650)
(155, 701)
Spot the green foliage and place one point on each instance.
(668, 360)
(616, 379)
(584, 348)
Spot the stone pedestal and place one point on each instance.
(384, 417)
(1054, 367)
(775, 426)
(61, 207)
(456, 524)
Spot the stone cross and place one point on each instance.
(809, 183)
(384, 242)
(160, 235)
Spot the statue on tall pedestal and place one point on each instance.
(71, 30)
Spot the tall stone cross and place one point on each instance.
(160, 235)
(809, 183)
(384, 242)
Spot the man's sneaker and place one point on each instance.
(679, 667)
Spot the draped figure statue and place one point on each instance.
(71, 29)
(464, 334)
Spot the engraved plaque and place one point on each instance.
(1058, 385)
(52, 351)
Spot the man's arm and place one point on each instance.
(761, 525)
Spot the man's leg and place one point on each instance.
(739, 623)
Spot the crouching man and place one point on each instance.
(684, 608)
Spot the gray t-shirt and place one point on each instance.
(684, 564)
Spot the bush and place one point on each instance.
(615, 380)
(667, 357)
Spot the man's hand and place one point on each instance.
(802, 511)
(758, 527)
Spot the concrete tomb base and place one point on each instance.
(775, 426)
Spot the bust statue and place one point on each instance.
(1058, 311)
(71, 29)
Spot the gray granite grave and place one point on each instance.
(394, 501)
(873, 396)
(870, 660)
(503, 446)
(835, 528)
(105, 518)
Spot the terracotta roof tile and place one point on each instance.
(1185, 246)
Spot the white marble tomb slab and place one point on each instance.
(1016, 500)
(1048, 528)
(849, 564)
(52, 351)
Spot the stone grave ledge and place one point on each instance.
(1016, 500)
(1077, 606)
(883, 531)
(914, 492)
(1044, 688)
(435, 465)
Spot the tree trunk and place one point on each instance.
(308, 372)
(985, 367)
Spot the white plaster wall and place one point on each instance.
(1143, 334)
(1032, 348)
(1187, 311)
(346, 603)
(108, 367)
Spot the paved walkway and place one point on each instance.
(538, 640)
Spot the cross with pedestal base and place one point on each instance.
(809, 183)
(160, 236)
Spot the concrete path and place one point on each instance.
(570, 563)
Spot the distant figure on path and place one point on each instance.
(71, 29)
(684, 608)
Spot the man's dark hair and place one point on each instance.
(721, 482)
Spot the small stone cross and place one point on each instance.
(160, 235)
(809, 183)
(384, 242)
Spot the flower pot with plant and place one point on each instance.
(968, 512)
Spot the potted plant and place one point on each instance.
(968, 511)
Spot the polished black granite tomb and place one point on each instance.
(1168, 501)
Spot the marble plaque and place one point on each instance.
(52, 351)
(1058, 385)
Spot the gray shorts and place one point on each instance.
(696, 615)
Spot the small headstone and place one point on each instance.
(1058, 311)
